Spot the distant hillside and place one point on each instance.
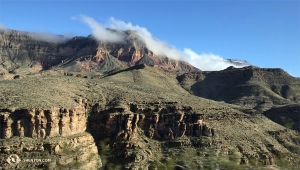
(250, 87)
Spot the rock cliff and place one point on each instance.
(159, 121)
(56, 134)
(73, 151)
(40, 123)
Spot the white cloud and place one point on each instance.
(48, 36)
(43, 35)
(100, 32)
(157, 46)
(205, 62)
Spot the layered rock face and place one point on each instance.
(129, 129)
(75, 151)
(158, 121)
(56, 134)
(135, 132)
(39, 123)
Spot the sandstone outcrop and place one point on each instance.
(75, 151)
(57, 134)
(158, 121)
(40, 123)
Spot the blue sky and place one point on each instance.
(265, 33)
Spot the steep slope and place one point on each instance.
(139, 118)
(249, 87)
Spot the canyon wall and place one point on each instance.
(57, 134)
(136, 134)
(158, 121)
(40, 123)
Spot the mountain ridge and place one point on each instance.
(33, 52)
(20, 49)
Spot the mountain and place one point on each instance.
(83, 104)
(24, 52)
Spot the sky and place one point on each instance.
(264, 33)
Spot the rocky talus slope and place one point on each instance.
(134, 118)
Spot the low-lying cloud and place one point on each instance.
(157, 46)
(49, 37)
(100, 32)
(205, 62)
(42, 35)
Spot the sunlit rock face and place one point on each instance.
(40, 123)
(57, 133)
(161, 122)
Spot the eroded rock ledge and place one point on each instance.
(57, 134)
(40, 123)
(163, 121)
(75, 151)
